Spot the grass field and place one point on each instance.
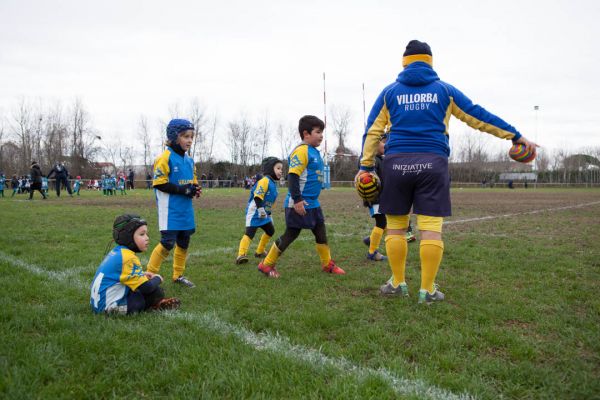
(521, 319)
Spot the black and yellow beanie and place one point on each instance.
(417, 51)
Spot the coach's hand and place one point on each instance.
(299, 207)
(529, 145)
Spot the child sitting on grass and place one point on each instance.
(120, 286)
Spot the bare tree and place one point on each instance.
(23, 130)
(287, 136)
(209, 140)
(239, 141)
(340, 119)
(263, 134)
(144, 137)
(111, 151)
(197, 116)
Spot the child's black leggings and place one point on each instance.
(292, 234)
(268, 228)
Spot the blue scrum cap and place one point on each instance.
(176, 126)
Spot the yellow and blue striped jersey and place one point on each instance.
(306, 162)
(175, 211)
(266, 190)
(119, 273)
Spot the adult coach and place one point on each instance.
(62, 178)
(416, 109)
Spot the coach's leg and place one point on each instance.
(396, 247)
(431, 249)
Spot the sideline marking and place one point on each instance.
(277, 344)
(489, 217)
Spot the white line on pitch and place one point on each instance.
(488, 217)
(276, 344)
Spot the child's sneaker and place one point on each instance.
(260, 255)
(168, 303)
(182, 280)
(333, 269)
(271, 272)
(427, 298)
(367, 240)
(389, 289)
(410, 237)
(243, 259)
(376, 256)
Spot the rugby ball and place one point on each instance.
(368, 186)
(518, 152)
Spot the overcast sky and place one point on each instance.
(128, 58)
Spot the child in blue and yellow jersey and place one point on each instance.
(175, 185)
(2, 183)
(302, 207)
(77, 185)
(119, 285)
(417, 109)
(258, 210)
(121, 185)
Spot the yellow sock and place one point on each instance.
(324, 253)
(376, 235)
(262, 245)
(431, 256)
(179, 257)
(396, 249)
(244, 244)
(158, 256)
(273, 256)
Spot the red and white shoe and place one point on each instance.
(333, 269)
(271, 272)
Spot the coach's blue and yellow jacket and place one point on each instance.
(266, 190)
(416, 110)
(119, 273)
(175, 211)
(306, 162)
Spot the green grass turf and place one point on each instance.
(520, 321)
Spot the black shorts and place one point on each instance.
(417, 180)
(313, 217)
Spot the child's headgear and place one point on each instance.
(417, 51)
(78, 177)
(175, 127)
(123, 229)
(268, 166)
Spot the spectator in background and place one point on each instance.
(148, 181)
(61, 175)
(131, 179)
(210, 179)
(36, 180)
(14, 183)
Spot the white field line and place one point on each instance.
(538, 211)
(276, 344)
(316, 359)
